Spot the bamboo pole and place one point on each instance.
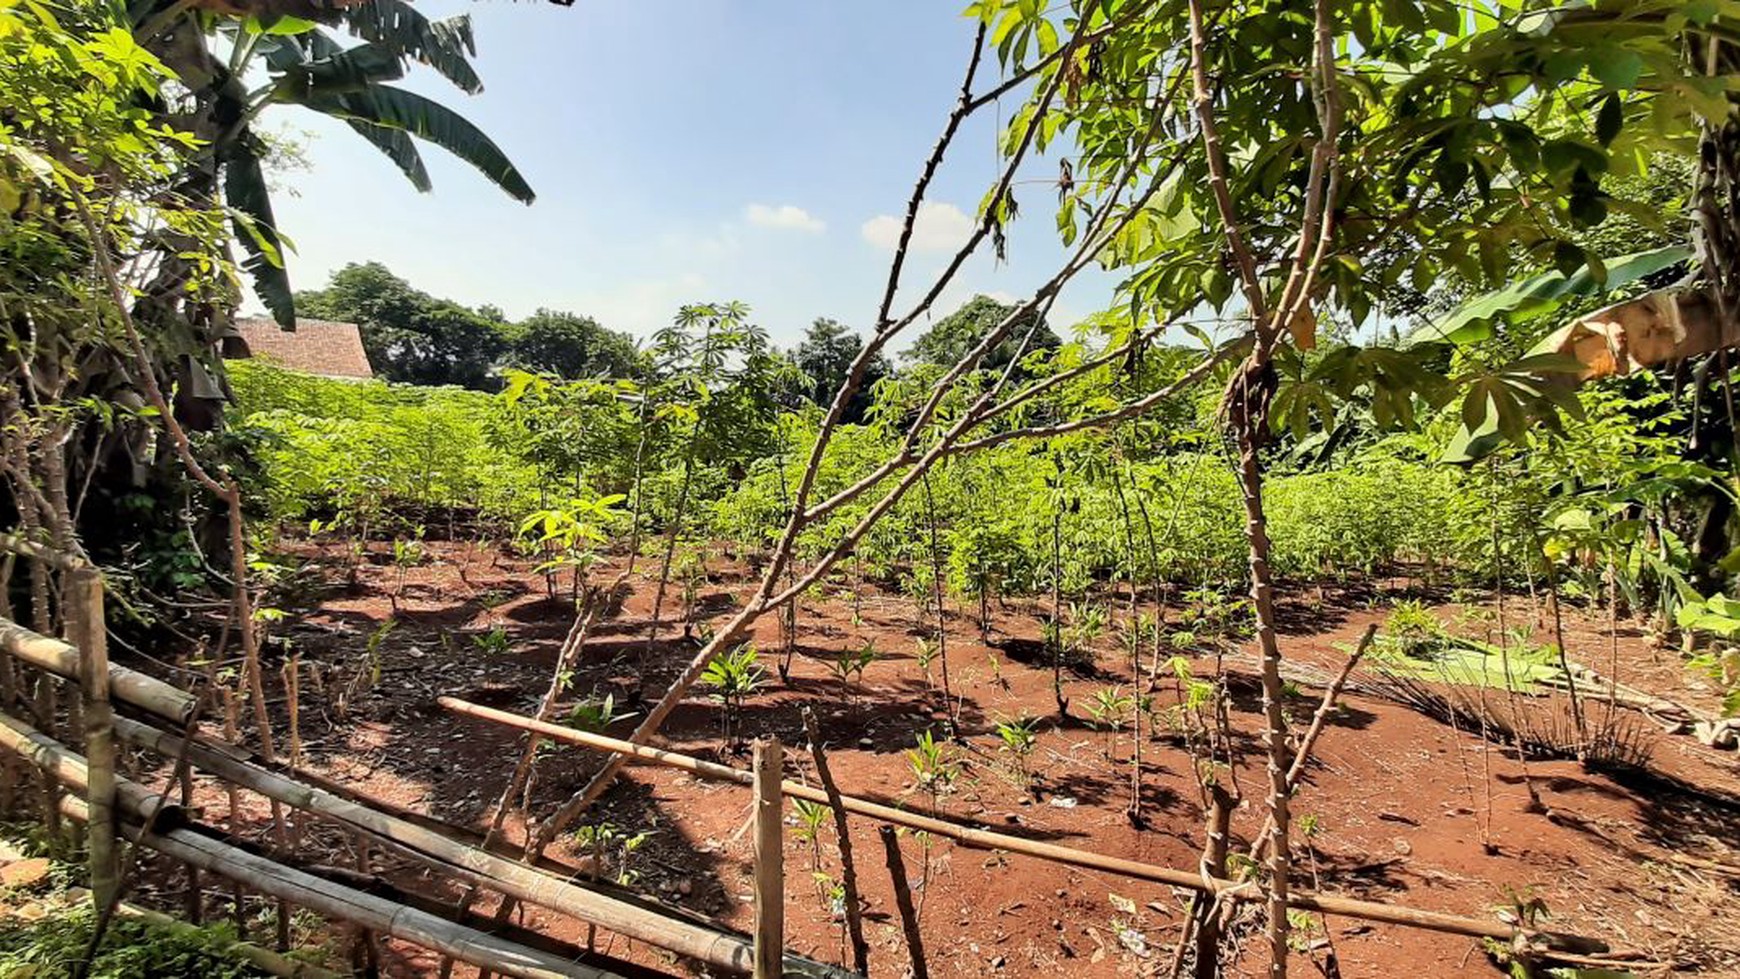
(903, 901)
(842, 832)
(87, 628)
(64, 767)
(985, 839)
(419, 927)
(129, 686)
(769, 859)
(524, 883)
(338, 901)
(8, 691)
(233, 815)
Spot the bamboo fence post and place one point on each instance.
(44, 710)
(85, 623)
(848, 871)
(195, 898)
(903, 900)
(769, 860)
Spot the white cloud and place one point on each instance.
(784, 216)
(940, 227)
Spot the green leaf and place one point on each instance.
(399, 147)
(395, 108)
(1471, 321)
(446, 45)
(281, 25)
(349, 70)
(1616, 67)
(251, 206)
(1610, 119)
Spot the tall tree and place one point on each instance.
(410, 335)
(569, 346)
(826, 355)
(956, 334)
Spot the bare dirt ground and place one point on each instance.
(1406, 809)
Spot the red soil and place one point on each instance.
(1402, 803)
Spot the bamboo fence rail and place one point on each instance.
(520, 881)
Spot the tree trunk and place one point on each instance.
(1248, 426)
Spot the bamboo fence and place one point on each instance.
(39, 725)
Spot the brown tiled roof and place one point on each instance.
(318, 346)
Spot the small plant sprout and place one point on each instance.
(933, 766)
(1020, 737)
(596, 714)
(832, 893)
(369, 672)
(1087, 623)
(568, 535)
(1109, 708)
(925, 653)
(734, 676)
(848, 666)
(493, 643)
(407, 554)
(811, 816)
(610, 844)
(997, 676)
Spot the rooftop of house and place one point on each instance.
(323, 347)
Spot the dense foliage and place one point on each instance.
(366, 450)
(417, 338)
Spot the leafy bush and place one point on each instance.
(50, 947)
(362, 448)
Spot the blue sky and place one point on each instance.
(683, 151)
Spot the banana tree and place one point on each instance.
(236, 64)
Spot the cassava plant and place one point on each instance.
(734, 677)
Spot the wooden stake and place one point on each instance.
(85, 623)
(842, 832)
(903, 901)
(769, 860)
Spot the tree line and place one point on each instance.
(413, 337)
